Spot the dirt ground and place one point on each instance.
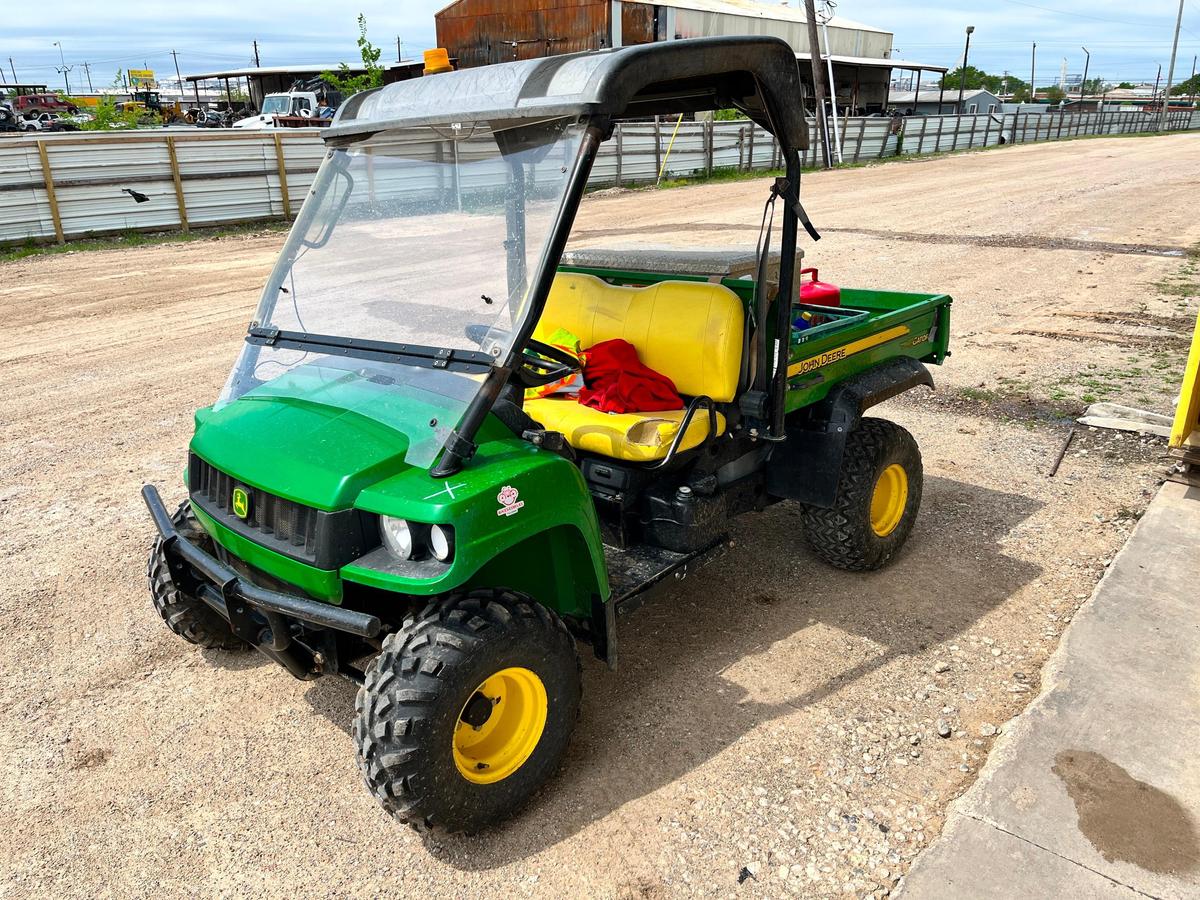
(774, 726)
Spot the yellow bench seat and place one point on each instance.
(689, 331)
(637, 437)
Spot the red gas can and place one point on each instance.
(819, 293)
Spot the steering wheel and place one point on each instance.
(541, 363)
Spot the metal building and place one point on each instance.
(938, 103)
(262, 80)
(481, 32)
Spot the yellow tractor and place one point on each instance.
(149, 104)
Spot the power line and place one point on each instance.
(1078, 15)
(1064, 42)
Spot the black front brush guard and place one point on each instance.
(234, 598)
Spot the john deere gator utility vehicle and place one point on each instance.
(372, 494)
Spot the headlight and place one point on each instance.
(397, 535)
(414, 540)
(441, 542)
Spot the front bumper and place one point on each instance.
(237, 600)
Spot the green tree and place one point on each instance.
(1054, 93)
(1010, 84)
(348, 83)
(974, 79)
(1189, 87)
(1125, 86)
(1093, 86)
(971, 78)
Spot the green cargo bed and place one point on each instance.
(869, 328)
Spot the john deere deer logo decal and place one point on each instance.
(241, 503)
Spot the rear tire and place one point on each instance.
(467, 711)
(879, 493)
(185, 614)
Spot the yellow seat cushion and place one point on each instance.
(689, 331)
(637, 437)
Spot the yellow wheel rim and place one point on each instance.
(500, 725)
(889, 499)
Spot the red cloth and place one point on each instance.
(618, 382)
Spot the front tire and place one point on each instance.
(185, 614)
(468, 710)
(879, 493)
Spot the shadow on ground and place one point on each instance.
(673, 703)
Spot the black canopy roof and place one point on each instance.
(758, 75)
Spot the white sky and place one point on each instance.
(1127, 41)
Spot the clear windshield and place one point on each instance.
(275, 106)
(423, 239)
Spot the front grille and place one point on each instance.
(280, 524)
(326, 540)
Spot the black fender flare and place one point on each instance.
(806, 466)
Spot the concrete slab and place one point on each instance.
(1102, 771)
(1015, 869)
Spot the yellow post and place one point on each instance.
(670, 144)
(48, 177)
(179, 201)
(1185, 433)
(283, 185)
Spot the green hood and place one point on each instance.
(318, 435)
(313, 454)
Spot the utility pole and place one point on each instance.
(962, 73)
(1083, 82)
(826, 15)
(1192, 80)
(88, 71)
(14, 69)
(256, 62)
(1032, 73)
(818, 74)
(1157, 79)
(178, 77)
(1162, 116)
(399, 52)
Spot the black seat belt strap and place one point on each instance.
(798, 209)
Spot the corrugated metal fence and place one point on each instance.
(636, 152)
(62, 186)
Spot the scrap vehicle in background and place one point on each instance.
(9, 121)
(33, 104)
(48, 121)
(210, 118)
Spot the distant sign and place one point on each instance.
(141, 76)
